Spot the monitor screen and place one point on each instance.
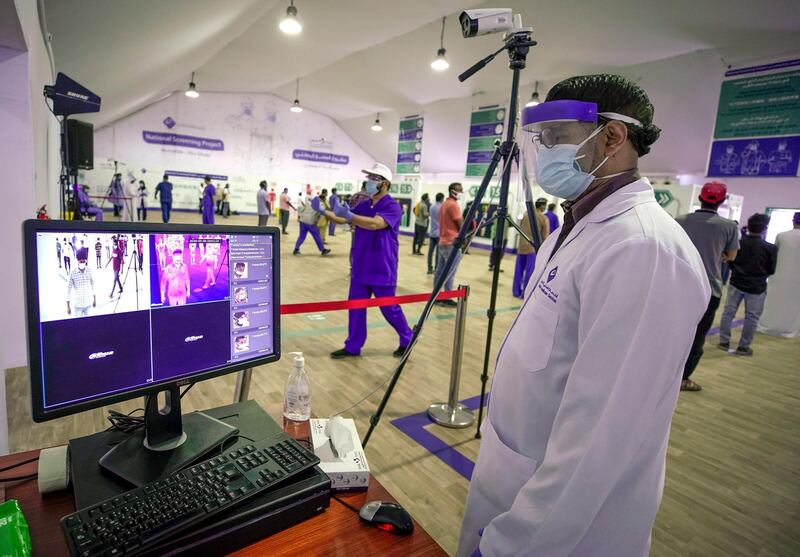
(780, 220)
(123, 310)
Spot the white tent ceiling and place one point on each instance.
(355, 58)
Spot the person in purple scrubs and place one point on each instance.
(208, 201)
(552, 217)
(374, 255)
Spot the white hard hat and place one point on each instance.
(379, 170)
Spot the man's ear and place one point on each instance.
(616, 134)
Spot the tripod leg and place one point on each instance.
(437, 287)
(497, 248)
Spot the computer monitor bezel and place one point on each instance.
(31, 280)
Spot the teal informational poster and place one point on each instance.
(409, 145)
(406, 191)
(757, 131)
(486, 125)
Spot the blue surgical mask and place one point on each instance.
(558, 172)
(372, 188)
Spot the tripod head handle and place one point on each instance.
(517, 42)
(479, 65)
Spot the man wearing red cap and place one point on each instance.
(717, 240)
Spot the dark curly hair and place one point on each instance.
(613, 93)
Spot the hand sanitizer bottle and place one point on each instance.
(297, 396)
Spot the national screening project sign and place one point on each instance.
(409, 145)
(486, 125)
(757, 132)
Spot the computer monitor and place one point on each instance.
(121, 310)
(780, 220)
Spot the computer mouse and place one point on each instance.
(387, 516)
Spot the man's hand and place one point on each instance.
(344, 212)
(94, 301)
(69, 310)
(317, 206)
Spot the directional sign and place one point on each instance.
(485, 126)
(663, 197)
(409, 145)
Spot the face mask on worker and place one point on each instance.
(81, 266)
(458, 195)
(177, 260)
(558, 172)
(372, 188)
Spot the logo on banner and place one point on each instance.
(169, 122)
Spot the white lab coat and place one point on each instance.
(574, 445)
(781, 315)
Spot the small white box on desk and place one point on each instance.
(348, 472)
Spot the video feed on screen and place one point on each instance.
(190, 269)
(85, 274)
(123, 310)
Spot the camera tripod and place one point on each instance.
(108, 190)
(517, 42)
(134, 262)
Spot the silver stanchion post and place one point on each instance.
(451, 413)
(242, 390)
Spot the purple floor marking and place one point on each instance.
(414, 427)
(715, 330)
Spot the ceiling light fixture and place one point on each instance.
(296, 104)
(440, 63)
(191, 92)
(289, 24)
(535, 97)
(376, 127)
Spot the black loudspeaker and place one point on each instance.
(80, 145)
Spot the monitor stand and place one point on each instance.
(169, 441)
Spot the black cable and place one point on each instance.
(352, 508)
(18, 464)
(186, 390)
(126, 423)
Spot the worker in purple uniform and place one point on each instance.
(374, 256)
(209, 191)
(552, 217)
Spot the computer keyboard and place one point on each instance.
(141, 518)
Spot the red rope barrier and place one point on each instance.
(288, 309)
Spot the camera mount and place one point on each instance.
(517, 43)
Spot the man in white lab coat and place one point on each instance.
(574, 446)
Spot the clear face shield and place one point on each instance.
(556, 138)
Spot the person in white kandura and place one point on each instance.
(781, 315)
(574, 446)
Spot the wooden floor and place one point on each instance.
(733, 471)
